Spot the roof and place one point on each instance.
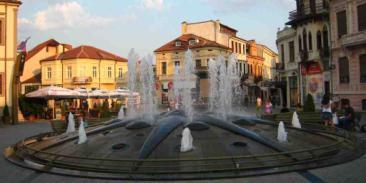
(11, 1)
(88, 52)
(34, 79)
(38, 48)
(170, 46)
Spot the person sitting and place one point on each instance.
(348, 119)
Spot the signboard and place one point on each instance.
(82, 80)
(315, 87)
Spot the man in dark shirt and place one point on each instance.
(348, 118)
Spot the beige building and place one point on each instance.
(8, 49)
(31, 78)
(348, 30)
(84, 67)
(305, 52)
(208, 39)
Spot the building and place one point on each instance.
(84, 67)
(8, 49)
(31, 77)
(348, 30)
(208, 40)
(305, 52)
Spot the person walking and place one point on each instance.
(268, 107)
(258, 105)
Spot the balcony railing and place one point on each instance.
(355, 39)
(320, 7)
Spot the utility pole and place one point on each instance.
(18, 71)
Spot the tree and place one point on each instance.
(309, 104)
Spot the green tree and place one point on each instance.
(309, 104)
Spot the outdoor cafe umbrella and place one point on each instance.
(98, 94)
(122, 93)
(53, 92)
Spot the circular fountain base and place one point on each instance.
(224, 150)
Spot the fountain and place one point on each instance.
(187, 141)
(296, 121)
(281, 133)
(70, 124)
(121, 113)
(132, 63)
(149, 145)
(147, 88)
(82, 133)
(222, 77)
(187, 76)
(176, 87)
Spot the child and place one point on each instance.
(268, 107)
(327, 112)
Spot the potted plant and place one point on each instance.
(6, 115)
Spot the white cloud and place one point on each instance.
(69, 15)
(234, 6)
(153, 4)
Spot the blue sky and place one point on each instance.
(119, 25)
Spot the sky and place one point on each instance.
(145, 25)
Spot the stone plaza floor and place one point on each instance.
(350, 172)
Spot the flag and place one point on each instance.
(22, 47)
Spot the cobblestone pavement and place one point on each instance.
(350, 172)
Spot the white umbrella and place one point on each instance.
(122, 93)
(83, 92)
(98, 94)
(53, 92)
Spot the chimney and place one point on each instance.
(184, 27)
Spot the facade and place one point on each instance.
(208, 40)
(305, 52)
(84, 67)
(31, 77)
(8, 50)
(348, 30)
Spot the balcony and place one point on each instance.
(304, 55)
(319, 9)
(82, 80)
(353, 40)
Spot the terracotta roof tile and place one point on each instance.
(89, 52)
(11, 1)
(34, 79)
(39, 47)
(202, 42)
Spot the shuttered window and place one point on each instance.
(363, 68)
(342, 23)
(343, 70)
(361, 13)
(2, 83)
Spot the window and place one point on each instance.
(319, 40)
(163, 68)
(244, 49)
(120, 73)
(192, 42)
(94, 72)
(363, 68)
(82, 71)
(30, 88)
(2, 84)
(304, 36)
(300, 43)
(49, 73)
(176, 63)
(2, 31)
(291, 47)
(69, 72)
(248, 49)
(232, 46)
(240, 48)
(342, 23)
(178, 43)
(343, 69)
(282, 53)
(310, 41)
(198, 63)
(241, 68)
(361, 14)
(325, 38)
(109, 69)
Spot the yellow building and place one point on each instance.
(8, 53)
(31, 78)
(84, 67)
(207, 39)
